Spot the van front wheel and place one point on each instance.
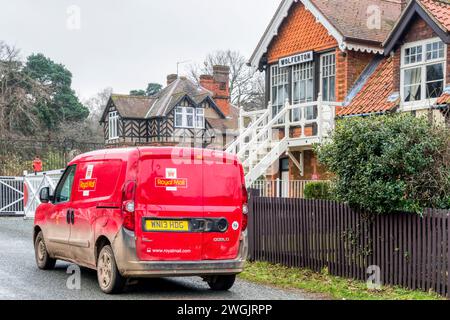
(43, 259)
(109, 278)
(221, 283)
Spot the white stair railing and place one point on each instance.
(259, 145)
(259, 119)
(261, 167)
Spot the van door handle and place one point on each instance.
(68, 217)
(72, 216)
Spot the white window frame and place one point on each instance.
(323, 58)
(186, 112)
(113, 125)
(279, 77)
(305, 72)
(200, 118)
(423, 103)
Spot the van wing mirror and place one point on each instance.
(45, 195)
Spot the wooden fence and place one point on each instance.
(408, 250)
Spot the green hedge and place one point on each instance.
(390, 163)
(318, 191)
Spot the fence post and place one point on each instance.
(278, 193)
(253, 193)
(448, 254)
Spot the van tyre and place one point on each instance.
(43, 259)
(221, 283)
(109, 278)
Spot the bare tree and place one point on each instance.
(19, 95)
(90, 129)
(245, 84)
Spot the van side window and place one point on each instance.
(64, 188)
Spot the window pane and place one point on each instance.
(435, 89)
(296, 114)
(412, 93)
(310, 90)
(435, 50)
(412, 76)
(435, 72)
(65, 189)
(296, 96)
(332, 89)
(303, 78)
(178, 120)
(413, 55)
(199, 119)
(311, 113)
(189, 120)
(279, 85)
(325, 89)
(328, 77)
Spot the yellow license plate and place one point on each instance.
(167, 225)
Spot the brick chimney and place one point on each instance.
(171, 78)
(219, 84)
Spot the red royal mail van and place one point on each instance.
(147, 212)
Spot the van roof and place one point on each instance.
(162, 151)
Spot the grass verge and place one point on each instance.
(326, 284)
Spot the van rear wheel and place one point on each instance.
(109, 278)
(221, 283)
(43, 259)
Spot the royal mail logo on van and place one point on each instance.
(87, 185)
(171, 182)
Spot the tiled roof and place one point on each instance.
(301, 32)
(350, 17)
(440, 9)
(173, 93)
(374, 95)
(132, 106)
(444, 99)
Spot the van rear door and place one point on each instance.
(223, 200)
(169, 205)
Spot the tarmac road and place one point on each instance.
(20, 279)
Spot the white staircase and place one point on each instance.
(260, 144)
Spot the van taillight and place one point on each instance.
(244, 208)
(128, 205)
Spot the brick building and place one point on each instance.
(325, 60)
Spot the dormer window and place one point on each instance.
(422, 70)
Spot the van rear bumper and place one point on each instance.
(129, 265)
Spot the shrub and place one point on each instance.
(318, 191)
(389, 163)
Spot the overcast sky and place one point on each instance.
(126, 44)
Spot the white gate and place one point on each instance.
(11, 196)
(34, 184)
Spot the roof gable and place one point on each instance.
(345, 21)
(181, 88)
(435, 13)
(300, 33)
